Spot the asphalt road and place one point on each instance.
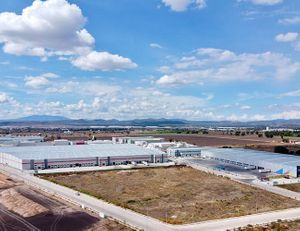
(143, 222)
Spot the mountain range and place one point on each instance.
(50, 120)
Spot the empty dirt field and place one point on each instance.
(220, 140)
(24, 208)
(176, 195)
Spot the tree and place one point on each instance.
(281, 149)
(269, 134)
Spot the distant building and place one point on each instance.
(184, 152)
(20, 140)
(138, 140)
(61, 142)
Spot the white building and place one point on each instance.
(48, 157)
(61, 142)
(141, 140)
(16, 140)
(184, 151)
(282, 164)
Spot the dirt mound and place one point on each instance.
(6, 182)
(19, 204)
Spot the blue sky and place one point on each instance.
(125, 59)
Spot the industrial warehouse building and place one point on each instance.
(278, 163)
(184, 151)
(47, 157)
(20, 140)
(137, 140)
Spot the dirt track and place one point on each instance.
(58, 216)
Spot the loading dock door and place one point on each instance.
(298, 171)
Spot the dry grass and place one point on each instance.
(274, 226)
(292, 187)
(175, 194)
(107, 225)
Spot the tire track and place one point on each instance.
(2, 224)
(22, 221)
(53, 226)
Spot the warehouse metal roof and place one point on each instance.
(16, 139)
(77, 151)
(252, 156)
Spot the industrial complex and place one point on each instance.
(133, 150)
(281, 164)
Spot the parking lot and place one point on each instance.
(229, 168)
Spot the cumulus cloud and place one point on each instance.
(143, 101)
(115, 102)
(4, 98)
(39, 81)
(49, 28)
(183, 5)
(103, 61)
(292, 114)
(288, 37)
(210, 64)
(45, 28)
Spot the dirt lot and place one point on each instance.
(24, 208)
(292, 187)
(209, 140)
(175, 194)
(271, 147)
(274, 226)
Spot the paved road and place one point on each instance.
(143, 222)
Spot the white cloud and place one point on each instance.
(266, 2)
(118, 103)
(291, 93)
(155, 45)
(45, 28)
(164, 69)
(4, 98)
(245, 107)
(52, 28)
(168, 80)
(183, 5)
(143, 102)
(290, 21)
(288, 37)
(103, 61)
(39, 81)
(184, 77)
(210, 64)
(293, 114)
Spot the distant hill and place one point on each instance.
(41, 118)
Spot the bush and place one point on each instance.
(281, 149)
